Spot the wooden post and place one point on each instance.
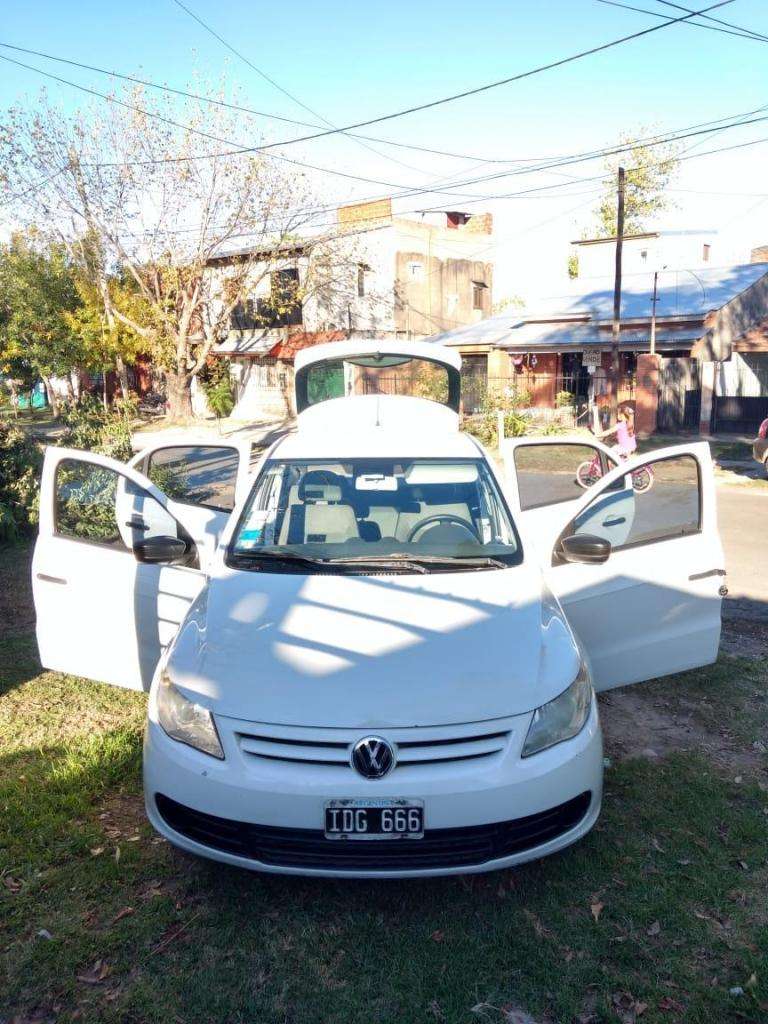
(499, 428)
(616, 332)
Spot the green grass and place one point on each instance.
(678, 862)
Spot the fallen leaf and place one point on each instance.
(12, 884)
(655, 928)
(437, 936)
(96, 974)
(751, 982)
(668, 1003)
(43, 933)
(117, 854)
(596, 910)
(125, 912)
(97, 850)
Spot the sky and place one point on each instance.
(353, 61)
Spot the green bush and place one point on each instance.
(216, 381)
(564, 400)
(88, 425)
(20, 464)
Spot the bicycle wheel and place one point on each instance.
(642, 480)
(588, 473)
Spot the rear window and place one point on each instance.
(377, 375)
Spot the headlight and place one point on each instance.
(562, 718)
(185, 721)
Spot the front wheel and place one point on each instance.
(642, 480)
(588, 473)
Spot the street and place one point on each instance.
(742, 515)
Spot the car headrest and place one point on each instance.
(320, 485)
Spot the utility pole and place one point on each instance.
(615, 335)
(653, 312)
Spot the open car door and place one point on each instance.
(102, 612)
(546, 478)
(202, 481)
(652, 606)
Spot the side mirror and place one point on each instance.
(160, 549)
(583, 547)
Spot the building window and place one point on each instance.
(362, 270)
(705, 252)
(478, 290)
(415, 270)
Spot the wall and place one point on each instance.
(744, 375)
(671, 250)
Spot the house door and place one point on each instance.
(474, 382)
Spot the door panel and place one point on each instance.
(102, 614)
(654, 607)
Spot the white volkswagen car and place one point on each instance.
(377, 654)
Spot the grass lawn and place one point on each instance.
(656, 916)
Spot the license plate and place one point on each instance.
(374, 819)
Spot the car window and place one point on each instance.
(382, 508)
(551, 473)
(196, 474)
(98, 505)
(660, 501)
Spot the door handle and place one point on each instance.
(707, 574)
(50, 579)
(617, 521)
(137, 524)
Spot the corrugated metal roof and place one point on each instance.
(681, 294)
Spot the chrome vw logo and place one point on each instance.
(373, 757)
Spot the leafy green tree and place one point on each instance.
(649, 169)
(37, 290)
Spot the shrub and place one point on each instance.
(564, 400)
(20, 464)
(216, 381)
(88, 425)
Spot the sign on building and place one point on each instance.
(591, 357)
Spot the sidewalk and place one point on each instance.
(260, 433)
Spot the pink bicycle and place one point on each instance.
(590, 471)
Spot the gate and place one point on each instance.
(679, 396)
(744, 405)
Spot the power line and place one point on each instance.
(284, 91)
(692, 24)
(545, 163)
(718, 21)
(507, 81)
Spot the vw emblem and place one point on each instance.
(373, 757)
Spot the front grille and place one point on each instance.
(308, 848)
(414, 747)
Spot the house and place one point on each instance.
(711, 344)
(388, 277)
(649, 250)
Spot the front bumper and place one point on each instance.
(480, 815)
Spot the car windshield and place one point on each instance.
(411, 515)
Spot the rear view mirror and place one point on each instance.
(583, 547)
(160, 549)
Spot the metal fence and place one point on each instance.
(541, 391)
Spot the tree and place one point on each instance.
(159, 189)
(649, 170)
(37, 290)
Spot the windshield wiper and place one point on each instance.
(352, 561)
(422, 561)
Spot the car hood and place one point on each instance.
(374, 651)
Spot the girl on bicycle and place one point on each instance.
(626, 442)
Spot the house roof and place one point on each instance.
(682, 296)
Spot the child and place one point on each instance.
(626, 442)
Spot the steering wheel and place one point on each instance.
(444, 517)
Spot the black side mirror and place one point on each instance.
(583, 547)
(160, 549)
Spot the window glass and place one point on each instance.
(196, 475)
(377, 375)
(642, 514)
(550, 473)
(96, 504)
(382, 508)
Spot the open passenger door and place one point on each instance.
(106, 608)
(652, 606)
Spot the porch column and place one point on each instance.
(707, 396)
(647, 393)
